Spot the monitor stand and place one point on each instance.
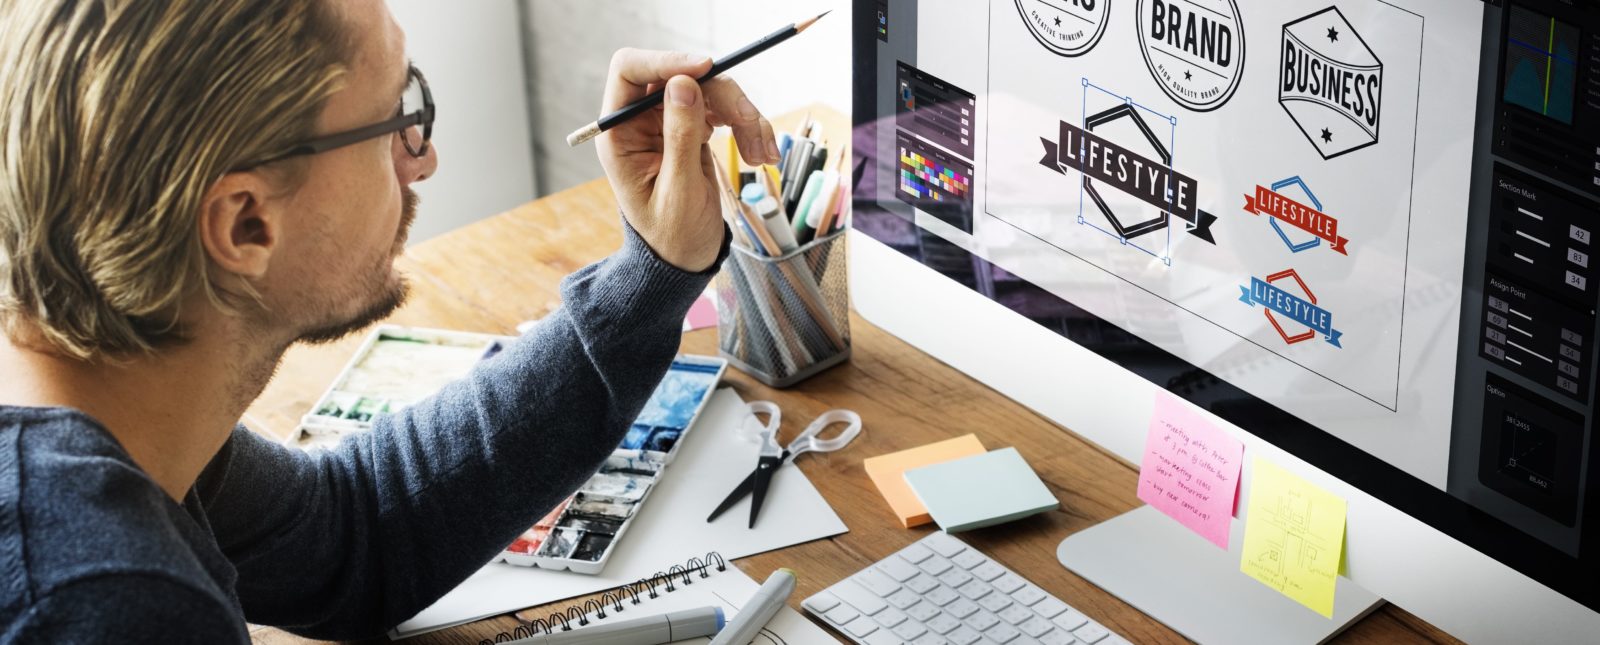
(1187, 583)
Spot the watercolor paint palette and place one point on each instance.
(581, 533)
(394, 367)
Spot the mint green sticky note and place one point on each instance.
(981, 490)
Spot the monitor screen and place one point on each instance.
(1359, 229)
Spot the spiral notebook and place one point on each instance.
(710, 581)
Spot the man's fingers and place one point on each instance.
(634, 70)
(729, 103)
(684, 134)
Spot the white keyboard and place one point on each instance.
(939, 590)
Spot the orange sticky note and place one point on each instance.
(888, 474)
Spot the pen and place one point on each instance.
(803, 206)
(649, 630)
(718, 66)
(759, 610)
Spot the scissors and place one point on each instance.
(771, 456)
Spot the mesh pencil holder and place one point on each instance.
(783, 319)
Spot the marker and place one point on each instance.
(649, 630)
(803, 205)
(759, 610)
(766, 208)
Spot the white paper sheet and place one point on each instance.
(670, 529)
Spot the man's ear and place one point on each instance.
(239, 227)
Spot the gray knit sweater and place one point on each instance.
(337, 544)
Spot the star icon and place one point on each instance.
(1333, 35)
(1327, 136)
(1187, 75)
(1058, 21)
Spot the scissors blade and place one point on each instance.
(733, 497)
(763, 475)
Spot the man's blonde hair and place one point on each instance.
(116, 116)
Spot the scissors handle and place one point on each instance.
(808, 441)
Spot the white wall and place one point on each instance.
(471, 53)
(571, 41)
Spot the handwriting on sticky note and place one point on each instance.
(1293, 536)
(1190, 470)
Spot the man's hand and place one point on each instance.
(659, 164)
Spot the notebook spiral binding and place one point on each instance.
(635, 593)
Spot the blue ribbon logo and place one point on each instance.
(1293, 307)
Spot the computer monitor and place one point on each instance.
(1358, 232)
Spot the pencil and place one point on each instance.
(718, 66)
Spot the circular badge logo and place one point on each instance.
(1066, 27)
(1194, 49)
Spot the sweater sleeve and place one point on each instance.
(127, 608)
(350, 542)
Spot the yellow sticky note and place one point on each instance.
(1293, 536)
(888, 474)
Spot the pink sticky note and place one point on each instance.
(1190, 469)
(702, 314)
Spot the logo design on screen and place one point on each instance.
(1194, 49)
(1276, 295)
(1138, 166)
(1285, 203)
(1066, 27)
(1330, 83)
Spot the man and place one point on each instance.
(187, 188)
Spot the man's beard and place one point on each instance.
(391, 294)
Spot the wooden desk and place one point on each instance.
(491, 275)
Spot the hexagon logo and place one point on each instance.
(1307, 225)
(1277, 295)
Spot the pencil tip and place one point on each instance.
(804, 24)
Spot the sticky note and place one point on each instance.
(702, 314)
(1293, 536)
(888, 474)
(981, 490)
(1190, 470)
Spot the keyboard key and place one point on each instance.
(1009, 582)
(929, 639)
(1002, 633)
(821, 603)
(961, 608)
(889, 617)
(944, 544)
(941, 596)
(916, 553)
(1034, 626)
(1015, 614)
(1057, 637)
(955, 577)
(903, 598)
(898, 569)
(1070, 620)
(859, 597)
(842, 615)
(1050, 607)
(995, 602)
(1028, 595)
(922, 583)
(982, 620)
(883, 637)
(942, 624)
(975, 589)
(988, 571)
(968, 559)
(909, 630)
(963, 635)
(877, 583)
(935, 566)
(1091, 633)
(860, 628)
(922, 611)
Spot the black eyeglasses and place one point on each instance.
(416, 143)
